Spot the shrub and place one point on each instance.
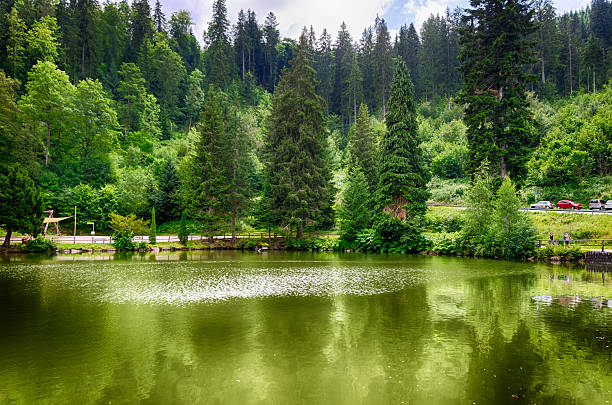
(564, 252)
(446, 244)
(122, 240)
(40, 245)
(142, 245)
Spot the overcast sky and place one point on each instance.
(292, 15)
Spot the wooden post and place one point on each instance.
(74, 236)
(602, 246)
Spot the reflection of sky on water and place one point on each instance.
(302, 328)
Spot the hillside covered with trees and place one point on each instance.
(117, 107)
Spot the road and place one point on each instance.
(107, 239)
(556, 210)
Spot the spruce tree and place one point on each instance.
(159, 19)
(220, 50)
(362, 148)
(167, 198)
(153, 229)
(383, 60)
(402, 186)
(497, 47)
(354, 213)
(301, 191)
(209, 177)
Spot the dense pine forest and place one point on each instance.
(118, 108)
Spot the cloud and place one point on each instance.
(419, 10)
(292, 15)
(357, 14)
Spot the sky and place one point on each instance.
(292, 15)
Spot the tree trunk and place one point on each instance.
(569, 46)
(299, 232)
(593, 81)
(7, 238)
(48, 144)
(503, 169)
(542, 55)
(83, 61)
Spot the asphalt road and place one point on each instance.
(557, 210)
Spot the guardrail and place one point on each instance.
(581, 243)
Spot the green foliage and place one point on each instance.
(20, 201)
(312, 244)
(129, 223)
(183, 233)
(448, 191)
(124, 229)
(300, 180)
(48, 101)
(402, 185)
(576, 146)
(142, 245)
(493, 225)
(444, 221)
(497, 48)
(362, 148)
(16, 143)
(40, 245)
(153, 229)
(412, 240)
(565, 253)
(43, 40)
(208, 184)
(354, 213)
(134, 189)
(447, 244)
(122, 240)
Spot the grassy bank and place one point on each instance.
(579, 226)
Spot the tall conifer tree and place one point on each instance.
(220, 49)
(402, 185)
(209, 178)
(301, 191)
(362, 148)
(497, 47)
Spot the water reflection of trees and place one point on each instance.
(466, 334)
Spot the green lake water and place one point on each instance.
(300, 328)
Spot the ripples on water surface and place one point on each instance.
(302, 328)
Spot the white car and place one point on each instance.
(608, 205)
(547, 205)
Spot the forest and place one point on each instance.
(118, 108)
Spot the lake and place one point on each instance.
(291, 328)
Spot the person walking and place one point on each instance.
(551, 239)
(567, 238)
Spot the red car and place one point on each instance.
(569, 205)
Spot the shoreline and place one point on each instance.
(159, 249)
